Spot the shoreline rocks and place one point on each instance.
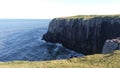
(111, 45)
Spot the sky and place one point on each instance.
(48, 9)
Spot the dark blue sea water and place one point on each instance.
(17, 24)
(21, 39)
(8, 26)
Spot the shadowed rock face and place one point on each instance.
(86, 36)
(111, 45)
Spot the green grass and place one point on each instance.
(91, 16)
(111, 60)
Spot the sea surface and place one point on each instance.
(21, 39)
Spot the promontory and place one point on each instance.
(83, 33)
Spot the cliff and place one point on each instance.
(85, 34)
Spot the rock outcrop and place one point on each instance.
(111, 45)
(86, 35)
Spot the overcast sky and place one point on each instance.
(28, 9)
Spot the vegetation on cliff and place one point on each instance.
(90, 16)
(111, 60)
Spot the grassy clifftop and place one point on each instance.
(91, 16)
(111, 60)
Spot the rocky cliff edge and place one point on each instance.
(85, 34)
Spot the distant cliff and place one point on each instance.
(86, 34)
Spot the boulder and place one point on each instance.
(111, 45)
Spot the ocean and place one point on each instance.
(21, 39)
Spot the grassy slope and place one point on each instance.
(111, 60)
(90, 16)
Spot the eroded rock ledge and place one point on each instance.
(83, 34)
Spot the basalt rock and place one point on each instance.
(84, 35)
(111, 45)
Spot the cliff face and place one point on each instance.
(86, 35)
